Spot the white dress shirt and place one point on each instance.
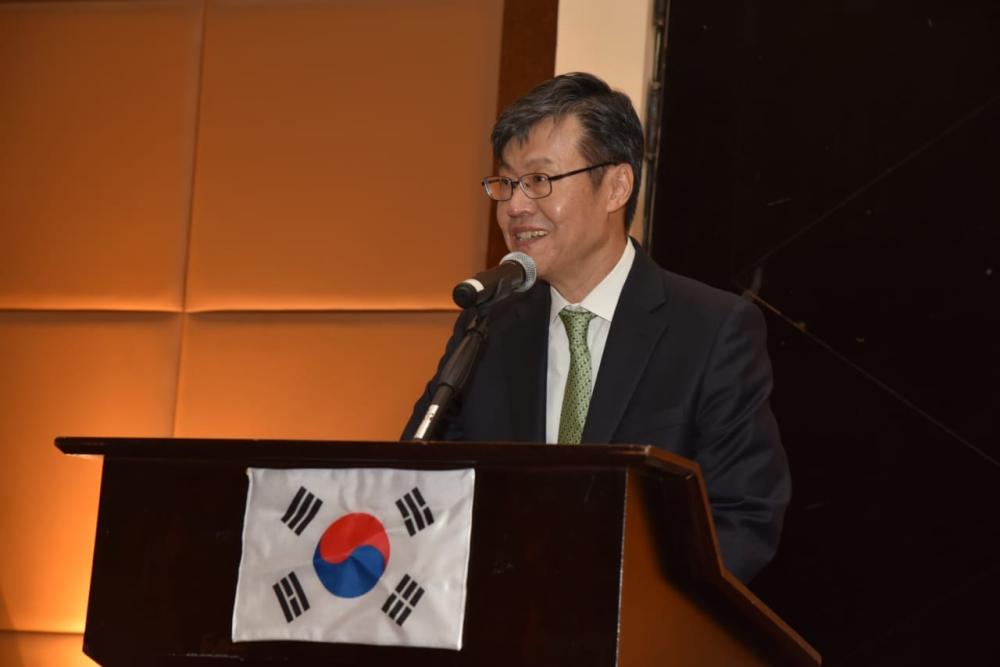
(601, 301)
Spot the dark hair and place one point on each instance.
(611, 128)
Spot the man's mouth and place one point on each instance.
(533, 234)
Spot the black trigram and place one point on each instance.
(400, 603)
(291, 597)
(416, 514)
(302, 510)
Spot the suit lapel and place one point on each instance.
(639, 322)
(524, 337)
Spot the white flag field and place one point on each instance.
(362, 556)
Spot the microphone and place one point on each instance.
(516, 273)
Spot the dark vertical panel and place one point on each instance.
(527, 57)
(839, 158)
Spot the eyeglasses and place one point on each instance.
(534, 186)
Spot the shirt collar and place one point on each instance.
(603, 299)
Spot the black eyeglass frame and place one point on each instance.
(520, 181)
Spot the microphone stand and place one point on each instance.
(456, 372)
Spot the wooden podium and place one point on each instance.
(584, 556)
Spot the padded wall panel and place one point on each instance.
(96, 144)
(306, 375)
(32, 649)
(340, 149)
(69, 374)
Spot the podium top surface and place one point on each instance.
(310, 453)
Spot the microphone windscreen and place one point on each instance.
(528, 264)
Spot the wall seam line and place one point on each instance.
(186, 265)
(229, 311)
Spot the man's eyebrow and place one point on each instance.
(532, 163)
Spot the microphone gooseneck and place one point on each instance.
(516, 273)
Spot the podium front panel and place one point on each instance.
(543, 574)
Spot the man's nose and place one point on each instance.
(519, 203)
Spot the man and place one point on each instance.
(607, 347)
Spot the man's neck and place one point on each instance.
(577, 290)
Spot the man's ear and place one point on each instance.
(620, 181)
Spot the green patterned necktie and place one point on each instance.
(576, 400)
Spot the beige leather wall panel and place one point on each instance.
(96, 144)
(352, 376)
(340, 144)
(69, 374)
(164, 157)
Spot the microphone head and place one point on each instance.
(528, 264)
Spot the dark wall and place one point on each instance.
(841, 162)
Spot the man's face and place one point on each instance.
(571, 234)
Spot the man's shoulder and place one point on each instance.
(690, 288)
(690, 295)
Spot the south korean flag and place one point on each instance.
(362, 556)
